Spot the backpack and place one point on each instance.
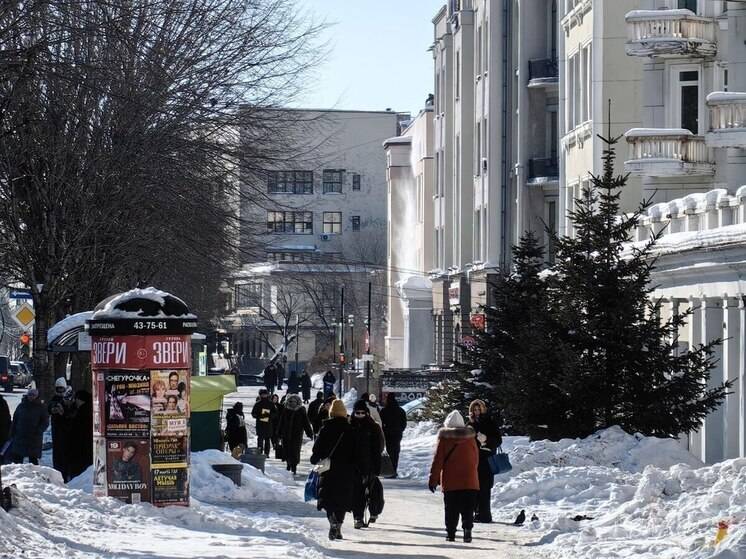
(375, 497)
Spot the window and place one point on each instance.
(290, 182)
(332, 222)
(356, 223)
(686, 99)
(478, 148)
(248, 295)
(355, 182)
(458, 75)
(579, 105)
(688, 5)
(332, 180)
(292, 256)
(300, 223)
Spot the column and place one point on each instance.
(695, 335)
(712, 431)
(672, 308)
(731, 371)
(741, 381)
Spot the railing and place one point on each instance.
(541, 167)
(543, 69)
(727, 110)
(645, 25)
(673, 144)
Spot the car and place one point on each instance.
(250, 380)
(6, 377)
(413, 409)
(21, 375)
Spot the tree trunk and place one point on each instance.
(43, 364)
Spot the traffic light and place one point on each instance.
(25, 340)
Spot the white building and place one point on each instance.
(689, 153)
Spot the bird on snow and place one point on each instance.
(534, 518)
(520, 519)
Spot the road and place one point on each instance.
(13, 398)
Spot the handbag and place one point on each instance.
(387, 466)
(280, 450)
(311, 491)
(325, 464)
(499, 463)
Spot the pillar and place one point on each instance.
(732, 345)
(695, 335)
(741, 381)
(712, 431)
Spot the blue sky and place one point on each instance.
(378, 54)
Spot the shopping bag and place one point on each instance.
(311, 492)
(499, 463)
(387, 466)
(375, 497)
(280, 451)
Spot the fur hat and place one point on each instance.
(60, 383)
(478, 404)
(454, 420)
(338, 409)
(293, 402)
(361, 405)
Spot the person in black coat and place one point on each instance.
(369, 446)
(62, 409)
(293, 383)
(336, 441)
(314, 408)
(394, 421)
(30, 420)
(81, 442)
(274, 419)
(235, 427)
(323, 414)
(329, 380)
(293, 423)
(488, 440)
(5, 423)
(280, 369)
(305, 386)
(262, 412)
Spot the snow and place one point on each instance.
(721, 97)
(691, 240)
(68, 323)
(110, 311)
(658, 14)
(349, 398)
(655, 132)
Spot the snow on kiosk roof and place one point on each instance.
(140, 311)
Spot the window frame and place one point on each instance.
(356, 181)
(356, 224)
(289, 221)
(292, 181)
(334, 224)
(328, 185)
(675, 86)
(243, 300)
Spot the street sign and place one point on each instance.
(367, 357)
(20, 294)
(24, 316)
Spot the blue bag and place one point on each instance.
(311, 492)
(499, 463)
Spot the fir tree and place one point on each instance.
(621, 365)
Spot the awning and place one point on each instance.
(207, 392)
(63, 336)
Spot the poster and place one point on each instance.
(128, 469)
(169, 394)
(127, 409)
(169, 451)
(99, 466)
(170, 486)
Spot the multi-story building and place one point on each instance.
(313, 223)
(690, 153)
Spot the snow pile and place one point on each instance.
(317, 381)
(110, 310)
(417, 449)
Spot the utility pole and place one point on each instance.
(367, 341)
(297, 344)
(342, 343)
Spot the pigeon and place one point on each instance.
(520, 519)
(580, 517)
(534, 518)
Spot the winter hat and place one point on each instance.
(60, 383)
(338, 409)
(32, 394)
(454, 420)
(360, 405)
(478, 404)
(293, 402)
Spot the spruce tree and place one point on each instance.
(622, 365)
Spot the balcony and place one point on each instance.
(670, 33)
(667, 152)
(543, 170)
(543, 73)
(727, 120)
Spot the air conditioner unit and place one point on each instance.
(325, 237)
(484, 164)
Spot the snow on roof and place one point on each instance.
(654, 132)
(658, 14)
(68, 323)
(114, 307)
(398, 140)
(717, 97)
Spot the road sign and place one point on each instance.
(24, 316)
(20, 294)
(368, 357)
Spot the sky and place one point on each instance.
(378, 54)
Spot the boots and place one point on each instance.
(467, 536)
(359, 524)
(451, 537)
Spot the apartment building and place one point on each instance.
(313, 223)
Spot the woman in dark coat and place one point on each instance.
(305, 387)
(235, 427)
(82, 434)
(30, 420)
(293, 423)
(369, 439)
(336, 441)
(5, 422)
(394, 423)
(488, 440)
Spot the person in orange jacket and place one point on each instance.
(455, 469)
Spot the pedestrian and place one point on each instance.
(277, 407)
(329, 380)
(488, 440)
(369, 441)
(454, 468)
(270, 377)
(5, 423)
(262, 412)
(323, 414)
(293, 383)
(337, 443)
(81, 439)
(30, 420)
(370, 401)
(62, 410)
(293, 423)
(394, 423)
(280, 374)
(313, 410)
(235, 427)
(305, 386)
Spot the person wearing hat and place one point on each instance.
(263, 411)
(370, 442)
(30, 420)
(488, 440)
(454, 468)
(62, 408)
(313, 411)
(336, 441)
(293, 423)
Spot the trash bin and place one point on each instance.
(254, 458)
(231, 471)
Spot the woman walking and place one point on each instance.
(305, 386)
(293, 423)
(394, 423)
(369, 439)
(235, 427)
(336, 442)
(488, 440)
(30, 420)
(454, 468)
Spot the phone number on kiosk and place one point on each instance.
(150, 325)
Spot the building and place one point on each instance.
(689, 154)
(409, 173)
(314, 225)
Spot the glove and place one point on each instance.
(432, 488)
